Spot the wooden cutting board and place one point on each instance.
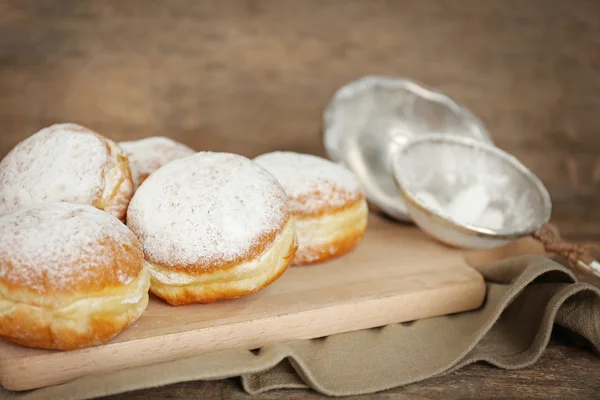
(397, 274)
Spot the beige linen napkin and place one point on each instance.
(525, 297)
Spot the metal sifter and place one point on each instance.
(473, 195)
(367, 119)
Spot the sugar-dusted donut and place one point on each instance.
(148, 155)
(71, 276)
(213, 226)
(326, 201)
(66, 162)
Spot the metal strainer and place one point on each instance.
(367, 118)
(447, 181)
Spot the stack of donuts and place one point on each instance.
(88, 227)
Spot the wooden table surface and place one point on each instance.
(254, 76)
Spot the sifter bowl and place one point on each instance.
(432, 171)
(368, 118)
(470, 194)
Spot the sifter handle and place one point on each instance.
(579, 256)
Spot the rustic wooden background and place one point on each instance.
(254, 76)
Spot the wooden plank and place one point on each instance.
(397, 274)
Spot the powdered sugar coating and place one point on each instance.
(62, 247)
(312, 183)
(64, 162)
(148, 155)
(207, 210)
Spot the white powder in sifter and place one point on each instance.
(471, 206)
(491, 218)
(206, 209)
(468, 205)
(312, 183)
(64, 162)
(429, 200)
(148, 155)
(57, 247)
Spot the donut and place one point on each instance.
(71, 276)
(66, 162)
(148, 155)
(325, 200)
(213, 226)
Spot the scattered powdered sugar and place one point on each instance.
(206, 209)
(148, 155)
(471, 206)
(312, 183)
(55, 247)
(64, 162)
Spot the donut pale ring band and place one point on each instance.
(178, 287)
(213, 226)
(330, 235)
(148, 155)
(326, 201)
(66, 162)
(71, 276)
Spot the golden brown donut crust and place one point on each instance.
(340, 232)
(31, 325)
(127, 260)
(71, 276)
(207, 222)
(250, 275)
(343, 244)
(101, 330)
(327, 208)
(118, 182)
(66, 162)
(325, 200)
(262, 242)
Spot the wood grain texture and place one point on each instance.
(253, 76)
(397, 274)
